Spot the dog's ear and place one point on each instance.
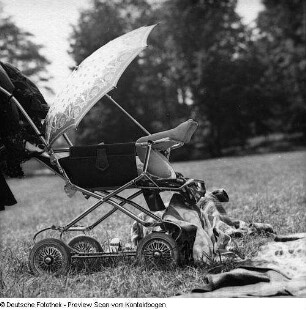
(221, 195)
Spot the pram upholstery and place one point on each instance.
(101, 166)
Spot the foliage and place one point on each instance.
(282, 45)
(209, 59)
(20, 51)
(202, 62)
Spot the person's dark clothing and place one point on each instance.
(14, 129)
(6, 196)
(30, 98)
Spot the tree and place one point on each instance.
(208, 60)
(202, 62)
(18, 49)
(282, 41)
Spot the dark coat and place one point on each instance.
(6, 196)
(14, 129)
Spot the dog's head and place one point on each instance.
(221, 195)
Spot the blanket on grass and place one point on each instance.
(279, 269)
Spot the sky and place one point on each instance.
(50, 22)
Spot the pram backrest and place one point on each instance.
(101, 166)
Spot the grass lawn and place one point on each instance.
(262, 188)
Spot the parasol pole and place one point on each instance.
(67, 139)
(127, 114)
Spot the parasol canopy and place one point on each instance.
(91, 80)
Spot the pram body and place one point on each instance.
(103, 172)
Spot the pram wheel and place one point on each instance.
(85, 244)
(158, 249)
(50, 256)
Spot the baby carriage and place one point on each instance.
(104, 171)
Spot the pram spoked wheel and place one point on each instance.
(85, 244)
(158, 249)
(50, 256)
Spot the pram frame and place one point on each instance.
(53, 164)
(107, 199)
